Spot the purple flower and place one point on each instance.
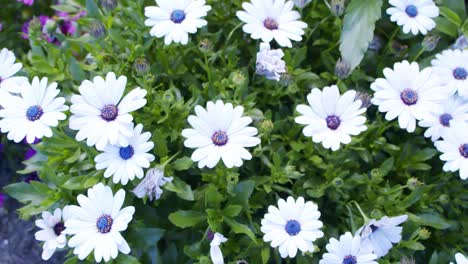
(2, 147)
(32, 177)
(2, 199)
(26, 2)
(1, 27)
(29, 153)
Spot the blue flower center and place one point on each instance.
(270, 23)
(460, 73)
(445, 120)
(350, 260)
(333, 122)
(34, 113)
(104, 224)
(126, 152)
(293, 227)
(220, 138)
(464, 150)
(374, 228)
(409, 97)
(109, 112)
(411, 10)
(58, 228)
(178, 16)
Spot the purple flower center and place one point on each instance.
(220, 138)
(104, 224)
(350, 260)
(270, 23)
(373, 228)
(333, 122)
(178, 16)
(34, 113)
(411, 10)
(126, 152)
(409, 97)
(464, 150)
(460, 73)
(292, 227)
(445, 120)
(109, 112)
(58, 228)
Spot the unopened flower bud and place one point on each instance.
(241, 261)
(209, 235)
(365, 99)
(301, 3)
(376, 43)
(342, 69)
(413, 183)
(97, 29)
(430, 42)
(238, 78)
(406, 260)
(460, 43)
(205, 45)
(424, 233)
(337, 7)
(267, 126)
(141, 66)
(108, 5)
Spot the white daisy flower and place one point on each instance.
(220, 132)
(151, 184)
(272, 19)
(33, 112)
(455, 110)
(8, 68)
(175, 19)
(460, 258)
(331, 118)
(270, 63)
(215, 251)
(348, 250)
(96, 224)
(101, 115)
(379, 236)
(454, 148)
(451, 66)
(414, 15)
(52, 227)
(291, 226)
(301, 3)
(408, 94)
(124, 163)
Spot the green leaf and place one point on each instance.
(92, 9)
(24, 192)
(80, 182)
(213, 198)
(243, 191)
(412, 245)
(239, 228)
(182, 164)
(76, 72)
(430, 219)
(182, 189)
(450, 15)
(232, 210)
(126, 259)
(387, 166)
(185, 219)
(358, 30)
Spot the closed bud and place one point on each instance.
(205, 45)
(337, 7)
(413, 183)
(267, 126)
(108, 5)
(342, 69)
(301, 3)
(141, 66)
(430, 42)
(376, 43)
(424, 233)
(241, 261)
(238, 78)
(365, 99)
(338, 182)
(97, 29)
(444, 199)
(460, 43)
(209, 235)
(406, 260)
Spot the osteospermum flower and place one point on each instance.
(96, 224)
(408, 93)
(331, 118)
(101, 115)
(454, 148)
(455, 110)
(380, 235)
(175, 19)
(451, 66)
(460, 258)
(8, 68)
(347, 250)
(272, 19)
(220, 132)
(414, 16)
(291, 226)
(52, 227)
(32, 114)
(124, 163)
(151, 184)
(216, 254)
(270, 63)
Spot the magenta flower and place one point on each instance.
(26, 2)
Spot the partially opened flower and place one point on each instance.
(8, 68)
(52, 227)
(151, 184)
(379, 236)
(293, 225)
(451, 66)
(124, 163)
(215, 251)
(33, 112)
(331, 118)
(454, 148)
(460, 258)
(96, 224)
(408, 93)
(415, 16)
(220, 132)
(272, 19)
(175, 19)
(270, 63)
(101, 115)
(347, 250)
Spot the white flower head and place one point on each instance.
(215, 250)
(272, 19)
(293, 225)
(220, 132)
(331, 118)
(380, 235)
(460, 258)
(408, 94)
(151, 184)
(270, 63)
(454, 110)
(124, 163)
(101, 115)
(8, 68)
(96, 224)
(33, 112)
(52, 227)
(454, 148)
(451, 66)
(175, 19)
(414, 15)
(301, 3)
(347, 250)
